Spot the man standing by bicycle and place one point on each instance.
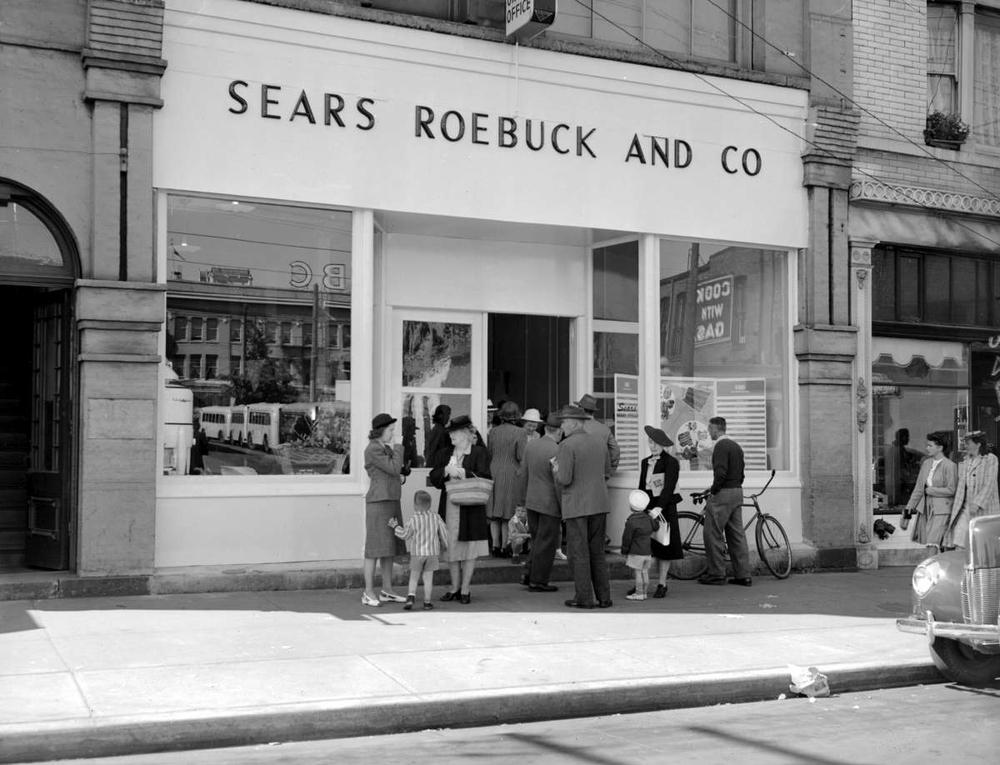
(724, 511)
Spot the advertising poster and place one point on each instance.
(627, 420)
(744, 405)
(686, 404)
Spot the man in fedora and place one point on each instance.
(581, 468)
(598, 430)
(541, 500)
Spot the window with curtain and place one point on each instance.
(986, 84)
(942, 51)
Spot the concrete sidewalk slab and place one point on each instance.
(109, 676)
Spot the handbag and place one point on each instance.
(904, 522)
(469, 491)
(662, 532)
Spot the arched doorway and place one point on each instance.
(39, 264)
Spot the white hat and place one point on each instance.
(638, 499)
(531, 415)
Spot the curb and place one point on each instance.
(146, 735)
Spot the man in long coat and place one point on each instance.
(541, 500)
(581, 468)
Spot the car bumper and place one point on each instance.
(981, 637)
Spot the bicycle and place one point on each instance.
(772, 541)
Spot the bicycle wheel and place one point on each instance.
(694, 563)
(773, 546)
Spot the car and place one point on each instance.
(956, 604)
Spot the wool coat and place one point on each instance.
(383, 463)
(933, 503)
(584, 465)
(541, 493)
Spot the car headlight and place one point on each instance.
(925, 576)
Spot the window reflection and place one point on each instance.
(25, 242)
(247, 284)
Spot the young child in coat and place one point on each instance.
(518, 533)
(639, 529)
(425, 535)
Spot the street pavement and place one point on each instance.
(118, 675)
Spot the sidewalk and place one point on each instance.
(117, 675)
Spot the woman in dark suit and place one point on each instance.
(658, 474)
(468, 529)
(384, 465)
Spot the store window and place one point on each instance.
(258, 270)
(616, 335)
(724, 335)
(918, 387)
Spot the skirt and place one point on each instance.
(930, 529)
(380, 540)
(674, 550)
(457, 550)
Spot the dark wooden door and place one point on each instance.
(50, 470)
(16, 305)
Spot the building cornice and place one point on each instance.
(917, 196)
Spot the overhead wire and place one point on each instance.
(679, 65)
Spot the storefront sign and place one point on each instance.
(324, 109)
(528, 18)
(715, 311)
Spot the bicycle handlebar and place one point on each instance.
(700, 496)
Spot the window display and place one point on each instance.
(258, 321)
(724, 352)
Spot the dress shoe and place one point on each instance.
(410, 600)
(577, 604)
(449, 596)
(369, 601)
(661, 591)
(745, 581)
(712, 580)
(605, 604)
(542, 587)
(464, 598)
(391, 597)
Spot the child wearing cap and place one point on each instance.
(518, 533)
(425, 535)
(636, 542)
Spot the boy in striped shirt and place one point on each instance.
(425, 535)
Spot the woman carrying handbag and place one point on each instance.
(933, 493)
(468, 530)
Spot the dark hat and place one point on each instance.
(441, 414)
(382, 420)
(587, 402)
(458, 423)
(573, 412)
(553, 420)
(658, 436)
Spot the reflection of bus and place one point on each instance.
(262, 426)
(238, 425)
(214, 420)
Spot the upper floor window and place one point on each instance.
(986, 82)
(942, 54)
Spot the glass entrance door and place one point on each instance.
(438, 360)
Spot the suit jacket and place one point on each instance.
(541, 493)
(940, 493)
(383, 463)
(665, 463)
(602, 433)
(584, 467)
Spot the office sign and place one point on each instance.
(529, 18)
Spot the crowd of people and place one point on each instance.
(532, 486)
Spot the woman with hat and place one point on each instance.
(384, 465)
(506, 444)
(658, 474)
(468, 531)
(976, 493)
(531, 421)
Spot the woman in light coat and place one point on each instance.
(933, 493)
(976, 494)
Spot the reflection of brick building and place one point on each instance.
(218, 326)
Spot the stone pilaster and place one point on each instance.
(861, 281)
(119, 325)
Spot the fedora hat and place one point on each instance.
(382, 420)
(531, 415)
(573, 412)
(587, 402)
(658, 436)
(459, 423)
